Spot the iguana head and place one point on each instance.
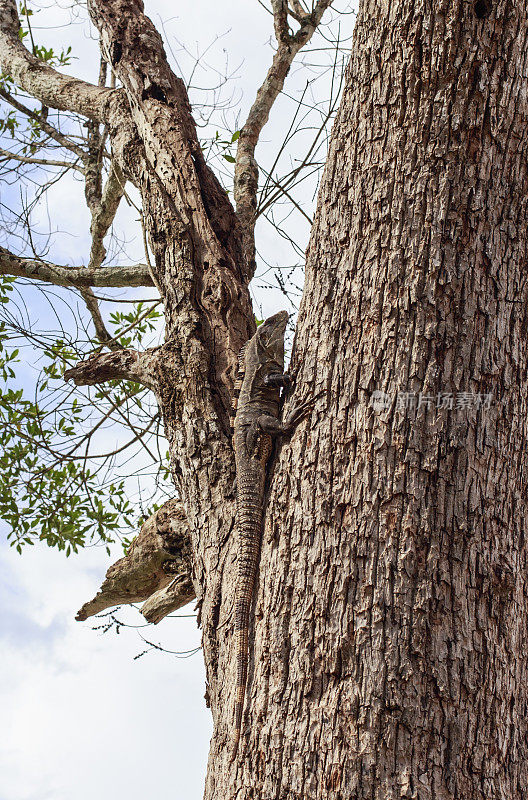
(270, 338)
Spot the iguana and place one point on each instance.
(255, 422)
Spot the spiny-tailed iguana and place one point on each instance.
(256, 422)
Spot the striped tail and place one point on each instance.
(249, 524)
(242, 664)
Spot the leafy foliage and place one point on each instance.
(46, 54)
(132, 327)
(51, 489)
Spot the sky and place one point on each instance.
(81, 716)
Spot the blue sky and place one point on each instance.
(80, 717)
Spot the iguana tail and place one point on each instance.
(242, 665)
(249, 522)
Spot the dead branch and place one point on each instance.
(246, 168)
(169, 599)
(100, 328)
(44, 162)
(103, 214)
(123, 364)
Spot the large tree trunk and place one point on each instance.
(387, 651)
(389, 643)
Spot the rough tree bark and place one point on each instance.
(390, 627)
(389, 655)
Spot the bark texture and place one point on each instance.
(390, 635)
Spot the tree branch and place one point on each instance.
(183, 200)
(161, 111)
(45, 162)
(74, 277)
(103, 205)
(103, 215)
(246, 168)
(280, 20)
(100, 329)
(169, 599)
(55, 90)
(297, 11)
(123, 364)
(52, 132)
(159, 556)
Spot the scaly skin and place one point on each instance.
(261, 376)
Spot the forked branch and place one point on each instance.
(246, 168)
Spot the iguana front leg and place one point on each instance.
(277, 380)
(274, 427)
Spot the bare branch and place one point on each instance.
(55, 90)
(103, 215)
(52, 132)
(124, 364)
(75, 277)
(100, 329)
(103, 205)
(246, 169)
(45, 162)
(280, 20)
(297, 11)
(160, 555)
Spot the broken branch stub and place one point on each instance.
(160, 555)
